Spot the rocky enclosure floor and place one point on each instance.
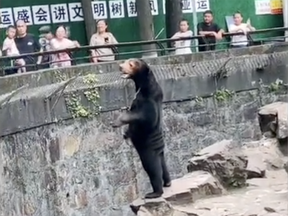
(232, 179)
(264, 196)
(199, 193)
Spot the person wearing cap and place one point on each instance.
(45, 36)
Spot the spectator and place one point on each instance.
(61, 42)
(45, 38)
(209, 31)
(102, 37)
(239, 40)
(9, 47)
(27, 43)
(183, 47)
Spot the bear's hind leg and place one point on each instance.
(151, 162)
(166, 175)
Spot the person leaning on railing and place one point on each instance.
(102, 37)
(209, 31)
(183, 46)
(27, 43)
(239, 41)
(61, 42)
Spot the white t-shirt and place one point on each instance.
(10, 46)
(239, 40)
(183, 47)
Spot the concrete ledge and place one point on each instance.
(39, 106)
(46, 77)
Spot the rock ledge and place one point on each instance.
(185, 190)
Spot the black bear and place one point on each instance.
(144, 119)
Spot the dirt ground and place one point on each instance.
(265, 196)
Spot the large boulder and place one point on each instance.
(185, 190)
(224, 160)
(273, 118)
(256, 167)
(191, 187)
(262, 155)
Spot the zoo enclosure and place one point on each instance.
(126, 22)
(161, 50)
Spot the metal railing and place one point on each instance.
(160, 49)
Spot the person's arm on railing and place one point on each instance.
(234, 29)
(67, 44)
(219, 32)
(203, 33)
(242, 28)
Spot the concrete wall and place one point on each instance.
(83, 167)
(41, 105)
(38, 79)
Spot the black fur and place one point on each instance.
(145, 128)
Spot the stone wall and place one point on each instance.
(54, 165)
(85, 168)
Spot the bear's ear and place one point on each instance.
(138, 64)
(131, 64)
(134, 65)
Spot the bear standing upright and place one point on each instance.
(145, 124)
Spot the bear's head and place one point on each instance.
(133, 68)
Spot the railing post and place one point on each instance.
(195, 23)
(285, 17)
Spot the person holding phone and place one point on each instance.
(102, 37)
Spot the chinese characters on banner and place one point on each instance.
(99, 9)
(41, 14)
(59, 13)
(73, 12)
(23, 13)
(116, 9)
(187, 6)
(202, 5)
(6, 17)
(268, 7)
(132, 10)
